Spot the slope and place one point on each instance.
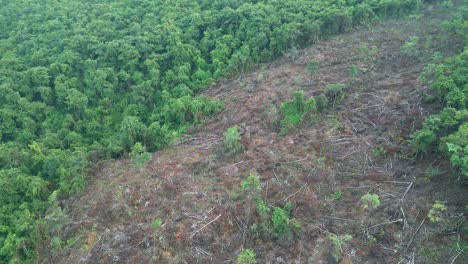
(186, 205)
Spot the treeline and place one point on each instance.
(446, 131)
(86, 80)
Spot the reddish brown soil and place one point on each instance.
(194, 187)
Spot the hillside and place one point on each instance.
(194, 202)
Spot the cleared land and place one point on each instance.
(323, 168)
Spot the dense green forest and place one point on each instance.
(82, 81)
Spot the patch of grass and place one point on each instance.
(156, 224)
(247, 256)
(337, 195)
(378, 151)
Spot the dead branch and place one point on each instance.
(385, 223)
(406, 191)
(285, 199)
(339, 218)
(397, 182)
(405, 223)
(195, 232)
(417, 230)
(459, 251)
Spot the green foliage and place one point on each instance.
(322, 102)
(278, 223)
(232, 144)
(296, 110)
(82, 81)
(338, 195)
(353, 73)
(378, 151)
(281, 221)
(432, 172)
(313, 67)
(246, 256)
(411, 47)
(22, 201)
(435, 214)
(252, 183)
(368, 52)
(459, 157)
(335, 92)
(140, 155)
(370, 200)
(338, 242)
(447, 130)
(156, 224)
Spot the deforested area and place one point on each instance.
(233, 131)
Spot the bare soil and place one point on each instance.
(357, 146)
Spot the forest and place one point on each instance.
(86, 81)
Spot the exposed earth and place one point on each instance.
(358, 145)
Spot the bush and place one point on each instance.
(338, 195)
(231, 140)
(435, 214)
(156, 224)
(368, 52)
(277, 224)
(247, 256)
(335, 92)
(338, 242)
(353, 72)
(411, 47)
(370, 200)
(312, 67)
(281, 221)
(322, 102)
(294, 111)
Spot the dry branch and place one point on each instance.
(195, 232)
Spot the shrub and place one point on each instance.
(247, 256)
(370, 200)
(353, 72)
(322, 102)
(156, 224)
(139, 155)
(432, 172)
(335, 92)
(231, 140)
(338, 242)
(312, 67)
(435, 214)
(277, 224)
(294, 111)
(338, 195)
(378, 151)
(281, 221)
(368, 52)
(411, 47)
